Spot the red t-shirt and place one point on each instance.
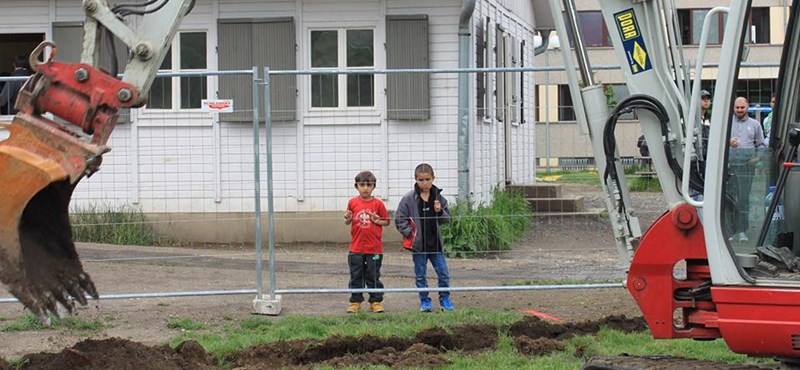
(365, 234)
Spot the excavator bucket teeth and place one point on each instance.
(38, 260)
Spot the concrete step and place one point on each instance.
(537, 190)
(561, 204)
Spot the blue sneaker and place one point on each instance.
(446, 304)
(425, 305)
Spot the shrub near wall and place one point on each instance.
(124, 225)
(478, 231)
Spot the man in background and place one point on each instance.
(8, 96)
(747, 137)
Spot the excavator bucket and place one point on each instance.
(39, 168)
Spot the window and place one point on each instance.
(593, 29)
(757, 91)
(352, 49)
(758, 28)
(691, 23)
(565, 108)
(188, 53)
(481, 38)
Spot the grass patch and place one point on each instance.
(569, 177)
(30, 322)
(476, 230)
(635, 183)
(185, 324)
(644, 184)
(111, 225)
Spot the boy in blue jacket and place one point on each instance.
(418, 218)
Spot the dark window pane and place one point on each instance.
(592, 28)
(193, 50)
(160, 96)
(193, 90)
(360, 48)
(324, 91)
(565, 109)
(698, 16)
(685, 23)
(359, 91)
(324, 48)
(167, 63)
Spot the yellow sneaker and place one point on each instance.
(376, 307)
(354, 307)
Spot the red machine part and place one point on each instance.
(79, 94)
(758, 321)
(676, 236)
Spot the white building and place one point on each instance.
(177, 162)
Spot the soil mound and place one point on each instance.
(532, 337)
(121, 354)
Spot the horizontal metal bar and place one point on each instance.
(329, 71)
(451, 289)
(163, 295)
(344, 290)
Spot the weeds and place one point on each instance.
(185, 324)
(30, 322)
(112, 225)
(474, 231)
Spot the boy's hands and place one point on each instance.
(348, 216)
(376, 219)
(437, 206)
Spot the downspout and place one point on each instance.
(464, 26)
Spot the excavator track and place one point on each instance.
(666, 363)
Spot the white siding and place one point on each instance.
(316, 158)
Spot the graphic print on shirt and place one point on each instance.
(364, 218)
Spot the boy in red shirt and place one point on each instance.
(366, 216)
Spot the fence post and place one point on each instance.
(272, 306)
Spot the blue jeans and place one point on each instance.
(421, 269)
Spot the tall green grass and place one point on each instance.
(476, 230)
(112, 225)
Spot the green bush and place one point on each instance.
(477, 230)
(111, 225)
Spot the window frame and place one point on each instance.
(341, 61)
(175, 62)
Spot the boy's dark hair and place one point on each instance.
(423, 168)
(21, 61)
(366, 177)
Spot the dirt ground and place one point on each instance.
(556, 249)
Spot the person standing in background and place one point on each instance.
(8, 96)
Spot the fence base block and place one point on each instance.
(270, 307)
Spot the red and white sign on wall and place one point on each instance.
(217, 105)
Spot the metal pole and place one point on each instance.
(270, 203)
(580, 48)
(257, 187)
(547, 110)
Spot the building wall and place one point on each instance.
(564, 131)
(186, 162)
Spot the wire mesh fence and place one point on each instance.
(181, 176)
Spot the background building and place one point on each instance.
(767, 26)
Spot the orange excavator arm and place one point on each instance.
(44, 160)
